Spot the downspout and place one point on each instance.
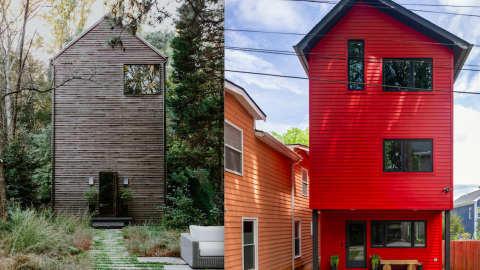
(52, 143)
(293, 208)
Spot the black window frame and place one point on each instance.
(356, 57)
(403, 155)
(384, 233)
(160, 75)
(412, 76)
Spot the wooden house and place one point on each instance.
(381, 134)
(108, 123)
(267, 218)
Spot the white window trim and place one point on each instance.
(235, 149)
(255, 235)
(299, 237)
(306, 182)
(470, 213)
(478, 212)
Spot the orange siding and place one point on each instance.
(263, 192)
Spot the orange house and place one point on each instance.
(268, 223)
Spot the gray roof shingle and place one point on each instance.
(470, 197)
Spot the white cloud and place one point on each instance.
(237, 39)
(269, 14)
(466, 146)
(242, 61)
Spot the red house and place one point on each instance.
(381, 134)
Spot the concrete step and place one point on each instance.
(108, 224)
(101, 219)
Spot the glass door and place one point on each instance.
(356, 244)
(249, 248)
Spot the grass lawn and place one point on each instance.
(152, 241)
(352, 254)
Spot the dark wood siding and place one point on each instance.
(99, 129)
(347, 127)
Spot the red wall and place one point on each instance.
(333, 235)
(347, 128)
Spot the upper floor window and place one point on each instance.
(141, 79)
(407, 155)
(233, 149)
(478, 212)
(393, 233)
(304, 182)
(356, 64)
(470, 213)
(414, 73)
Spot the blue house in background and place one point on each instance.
(467, 207)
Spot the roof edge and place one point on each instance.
(277, 145)
(245, 99)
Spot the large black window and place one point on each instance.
(142, 80)
(356, 64)
(394, 233)
(414, 73)
(409, 155)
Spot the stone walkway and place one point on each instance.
(111, 253)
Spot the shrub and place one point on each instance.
(91, 195)
(125, 194)
(152, 241)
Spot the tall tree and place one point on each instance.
(293, 136)
(67, 18)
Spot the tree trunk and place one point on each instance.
(3, 193)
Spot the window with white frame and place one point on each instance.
(233, 149)
(470, 213)
(478, 212)
(249, 242)
(304, 182)
(298, 238)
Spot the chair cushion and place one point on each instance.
(208, 233)
(211, 248)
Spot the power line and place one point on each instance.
(383, 7)
(335, 57)
(336, 81)
(350, 37)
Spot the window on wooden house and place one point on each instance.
(414, 74)
(298, 238)
(395, 234)
(304, 182)
(142, 80)
(249, 241)
(478, 212)
(233, 149)
(356, 64)
(470, 213)
(408, 155)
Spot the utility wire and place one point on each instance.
(388, 7)
(336, 81)
(349, 37)
(339, 57)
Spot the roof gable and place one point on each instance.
(245, 99)
(460, 47)
(92, 27)
(467, 199)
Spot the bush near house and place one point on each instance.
(152, 241)
(35, 239)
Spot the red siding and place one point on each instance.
(347, 128)
(333, 235)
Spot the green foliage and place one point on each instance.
(477, 231)
(125, 194)
(91, 195)
(152, 240)
(375, 259)
(293, 136)
(456, 226)
(334, 260)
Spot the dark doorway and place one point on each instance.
(108, 194)
(356, 244)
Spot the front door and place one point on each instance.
(356, 244)
(108, 194)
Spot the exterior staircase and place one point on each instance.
(110, 222)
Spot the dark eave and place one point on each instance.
(460, 47)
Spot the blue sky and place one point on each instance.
(285, 101)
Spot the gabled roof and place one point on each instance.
(93, 26)
(245, 99)
(460, 47)
(467, 199)
(276, 144)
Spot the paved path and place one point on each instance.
(111, 253)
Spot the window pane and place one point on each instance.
(396, 73)
(249, 257)
(418, 156)
(377, 232)
(297, 229)
(233, 136)
(419, 231)
(422, 74)
(304, 189)
(398, 234)
(233, 160)
(248, 234)
(478, 212)
(355, 47)
(393, 155)
(355, 73)
(142, 79)
(356, 239)
(297, 247)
